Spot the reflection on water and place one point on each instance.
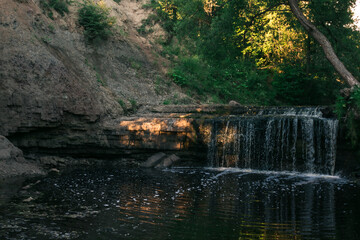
(184, 203)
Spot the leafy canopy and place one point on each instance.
(255, 51)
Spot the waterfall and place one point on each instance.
(285, 139)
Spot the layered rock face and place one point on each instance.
(43, 79)
(136, 136)
(183, 129)
(56, 90)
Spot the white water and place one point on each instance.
(294, 139)
(274, 174)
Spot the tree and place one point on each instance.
(325, 44)
(252, 48)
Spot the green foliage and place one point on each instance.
(147, 24)
(120, 31)
(255, 51)
(348, 110)
(353, 128)
(331, 13)
(238, 81)
(132, 109)
(340, 107)
(61, 6)
(152, 5)
(343, 104)
(167, 102)
(46, 39)
(100, 80)
(95, 19)
(134, 105)
(123, 106)
(334, 19)
(161, 85)
(134, 64)
(177, 100)
(51, 28)
(355, 97)
(293, 86)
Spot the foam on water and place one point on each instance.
(272, 174)
(292, 112)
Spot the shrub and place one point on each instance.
(95, 19)
(61, 6)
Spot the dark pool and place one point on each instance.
(184, 203)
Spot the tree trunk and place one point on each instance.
(325, 44)
(308, 54)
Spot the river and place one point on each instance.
(183, 203)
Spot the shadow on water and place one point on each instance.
(9, 188)
(184, 203)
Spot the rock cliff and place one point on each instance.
(57, 90)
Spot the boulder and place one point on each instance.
(12, 162)
(8, 151)
(233, 103)
(167, 162)
(153, 160)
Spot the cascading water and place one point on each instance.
(283, 139)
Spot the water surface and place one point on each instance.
(183, 203)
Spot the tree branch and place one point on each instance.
(324, 43)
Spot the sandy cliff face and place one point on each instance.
(50, 77)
